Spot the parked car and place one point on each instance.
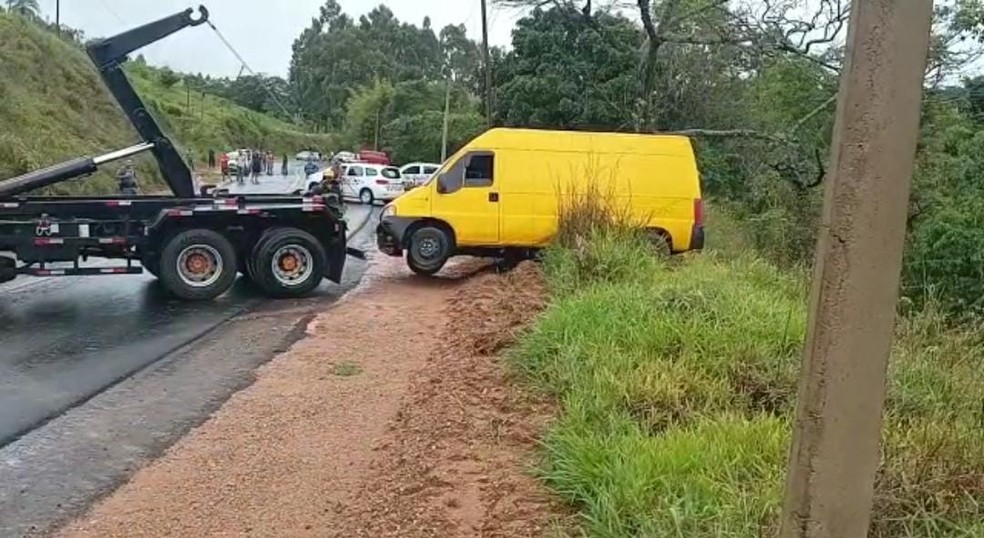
(371, 182)
(416, 174)
(308, 155)
(233, 155)
(344, 157)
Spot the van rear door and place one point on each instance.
(468, 199)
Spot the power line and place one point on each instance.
(246, 66)
(112, 12)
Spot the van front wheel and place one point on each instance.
(429, 250)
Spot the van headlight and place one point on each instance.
(388, 211)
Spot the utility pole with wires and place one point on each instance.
(58, 16)
(488, 64)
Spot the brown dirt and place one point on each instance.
(391, 419)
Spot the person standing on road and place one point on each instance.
(211, 159)
(257, 166)
(242, 167)
(127, 178)
(224, 165)
(311, 167)
(269, 162)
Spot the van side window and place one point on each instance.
(355, 171)
(429, 169)
(412, 171)
(480, 170)
(371, 172)
(473, 170)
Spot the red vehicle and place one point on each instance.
(374, 157)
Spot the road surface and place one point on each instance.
(65, 339)
(99, 374)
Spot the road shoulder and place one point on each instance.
(388, 420)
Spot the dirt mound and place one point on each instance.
(497, 307)
(463, 444)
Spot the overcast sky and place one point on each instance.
(261, 30)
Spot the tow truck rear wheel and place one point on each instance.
(198, 265)
(288, 263)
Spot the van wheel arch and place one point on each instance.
(430, 222)
(661, 240)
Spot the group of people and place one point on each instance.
(253, 163)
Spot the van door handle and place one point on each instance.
(493, 197)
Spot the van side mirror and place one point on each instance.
(442, 187)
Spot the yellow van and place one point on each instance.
(502, 193)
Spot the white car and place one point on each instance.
(416, 174)
(308, 155)
(369, 183)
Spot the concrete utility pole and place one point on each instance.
(447, 113)
(488, 64)
(58, 16)
(856, 276)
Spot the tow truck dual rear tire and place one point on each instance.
(198, 265)
(288, 263)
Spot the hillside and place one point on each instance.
(54, 107)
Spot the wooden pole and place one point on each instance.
(488, 64)
(837, 432)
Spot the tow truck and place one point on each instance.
(195, 243)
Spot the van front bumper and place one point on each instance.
(390, 234)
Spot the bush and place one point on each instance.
(168, 78)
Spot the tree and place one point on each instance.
(336, 56)
(27, 8)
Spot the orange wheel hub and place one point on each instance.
(288, 263)
(197, 263)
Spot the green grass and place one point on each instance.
(346, 369)
(54, 107)
(677, 379)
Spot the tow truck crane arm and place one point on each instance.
(109, 55)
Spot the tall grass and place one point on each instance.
(677, 381)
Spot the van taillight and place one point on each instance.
(382, 182)
(698, 211)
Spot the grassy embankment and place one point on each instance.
(54, 107)
(676, 382)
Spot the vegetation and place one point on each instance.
(676, 381)
(54, 107)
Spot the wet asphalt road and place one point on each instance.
(64, 340)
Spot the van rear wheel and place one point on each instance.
(429, 250)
